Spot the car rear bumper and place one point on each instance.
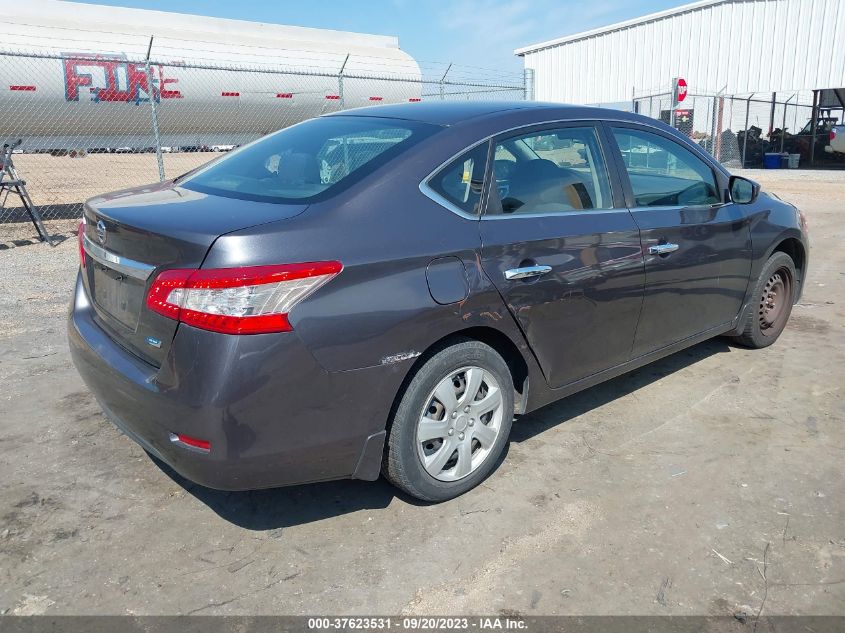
(273, 415)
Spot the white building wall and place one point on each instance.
(732, 46)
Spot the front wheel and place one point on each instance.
(773, 297)
(452, 423)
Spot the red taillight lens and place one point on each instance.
(250, 300)
(165, 283)
(80, 233)
(832, 133)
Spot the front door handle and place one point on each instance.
(662, 249)
(527, 271)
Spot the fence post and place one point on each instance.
(719, 122)
(713, 107)
(783, 125)
(772, 116)
(528, 80)
(340, 83)
(443, 83)
(814, 127)
(745, 136)
(151, 91)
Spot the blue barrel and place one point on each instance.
(771, 160)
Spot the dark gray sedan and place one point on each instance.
(384, 289)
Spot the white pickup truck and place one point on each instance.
(837, 140)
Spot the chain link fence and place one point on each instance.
(92, 123)
(739, 130)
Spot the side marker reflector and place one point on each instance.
(187, 440)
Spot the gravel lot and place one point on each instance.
(56, 181)
(707, 483)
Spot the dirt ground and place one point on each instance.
(707, 483)
(55, 182)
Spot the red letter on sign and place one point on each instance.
(138, 82)
(112, 91)
(73, 81)
(165, 92)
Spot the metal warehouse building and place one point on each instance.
(730, 46)
(772, 65)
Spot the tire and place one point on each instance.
(774, 294)
(461, 447)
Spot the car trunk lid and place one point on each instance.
(131, 236)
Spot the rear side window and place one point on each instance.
(664, 173)
(551, 171)
(309, 161)
(462, 181)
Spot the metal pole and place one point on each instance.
(721, 106)
(442, 83)
(343, 107)
(713, 107)
(745, 136)
(151, 91)
(673, 102)
(783, 125)
(772, 116)
(814, 127)
(340, 84)
(528, 77)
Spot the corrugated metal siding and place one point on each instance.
(737, 46)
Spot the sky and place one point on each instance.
(480, 33)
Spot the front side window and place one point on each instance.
(308, 161)
(551, 171)
(462, 181)
(663, 173)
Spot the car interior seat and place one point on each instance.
(541, 186)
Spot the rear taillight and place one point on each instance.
(251, 300)
(80, 233)
(832, 133)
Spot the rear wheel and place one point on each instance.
(452, 423)
(773, 297)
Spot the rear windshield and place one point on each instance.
(309, 161)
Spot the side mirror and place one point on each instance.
(743, 190)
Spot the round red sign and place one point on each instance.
(682, 89)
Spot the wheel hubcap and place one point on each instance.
(460, 423)
(774, 303)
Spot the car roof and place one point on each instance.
(447, 113)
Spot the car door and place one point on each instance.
(697, 244)
(562, 249)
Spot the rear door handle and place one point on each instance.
(662, 249)
(527, 271)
